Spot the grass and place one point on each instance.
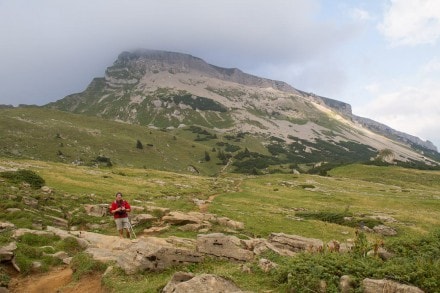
(265, 204)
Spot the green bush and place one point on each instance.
(27, 176)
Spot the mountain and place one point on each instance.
(169, 90)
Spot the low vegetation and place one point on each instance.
(328, 208)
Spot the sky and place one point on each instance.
(380, 56)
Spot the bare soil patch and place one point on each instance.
(56, 281)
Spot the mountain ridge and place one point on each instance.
(171, 90)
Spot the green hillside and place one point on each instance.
(307, 205)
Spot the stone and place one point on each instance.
(266, 265)
(142, 256)
(223, 246)
(223, 221)
(295, 243)
(179, 218)
(383, 285)
(7, 252)
(6, 225)
(384, 230)
(142, 218)
(346, 284)
(155, 230)
(97, 210)
(29, 201)
(204, 283)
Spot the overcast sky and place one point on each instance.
(382, 57)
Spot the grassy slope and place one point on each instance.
(264, 203)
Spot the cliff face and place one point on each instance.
(173, 90)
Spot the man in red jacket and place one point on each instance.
(119, 209)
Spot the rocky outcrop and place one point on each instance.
(182, 282)
(223, 246)
(143, 256)
(295, 243)
(382, 285)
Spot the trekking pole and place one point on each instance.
(131, 228)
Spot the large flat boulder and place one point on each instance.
(143, 256)
(223, 246)
(205, 283)
(383, 285)
(295, 243)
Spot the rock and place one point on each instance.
(195, 227)
(382, 253)
(220, 245)
(29, 201)
(97, 210)
(21, 231)
(36, 265)
(204, 283)
(266, 265)
(155, 230)
(383, 218)
(223, 221)
(59, 222)
(6, 225)
(333, 246)
(155, 209)
(46, 189)
(384, 230)
(143, 256)
(346, 284)
(179, 218)
(7, 252)
(295, 243)
(142, 218)
(382, 285)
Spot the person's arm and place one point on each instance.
(127, 207)
(114, 208)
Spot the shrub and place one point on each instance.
(27, 176)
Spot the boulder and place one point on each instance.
(29, 201)
(223, 221)
(142, 218)
(382, 285)
(266, 265)
(6, 225)
(143, 256)
(7, 252)
(179, 218)
(204, 283)
(346, 284)
(384, 230)
(295, 243)
(223, 246)
(97, 210)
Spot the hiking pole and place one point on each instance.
(131, 229)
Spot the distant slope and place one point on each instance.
(172, 90)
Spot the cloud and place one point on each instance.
(411, 22)
(432, 66)
(360, 14)
(414, 110)
(53, 48)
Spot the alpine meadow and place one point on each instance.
(236, 183)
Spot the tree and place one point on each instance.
(207, 157)
(139, 145)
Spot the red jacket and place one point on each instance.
(116, 205)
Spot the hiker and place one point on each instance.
(119, 208)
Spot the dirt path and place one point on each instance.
(56, 281)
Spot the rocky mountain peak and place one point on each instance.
(144, 61)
